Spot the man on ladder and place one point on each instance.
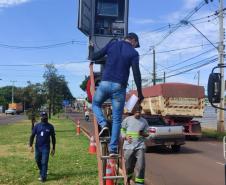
(134, 130)
(121, 55)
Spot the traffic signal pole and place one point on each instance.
(220, 116)
(154, 68)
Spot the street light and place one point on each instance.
(13, 81)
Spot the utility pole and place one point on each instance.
(198, 77)
(13, 81)
(220, 115)
(164, 77)
(154, 68)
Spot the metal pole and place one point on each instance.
(225, 159)
(225, 173)
(164, 78)
(13, 90)
(198, 77)
(12, 95)
(154, 68)
(220, 120)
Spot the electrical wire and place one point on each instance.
(197, 67)
(195, 63)
(179, 63)
(43, 64)
(178, 49)
(49, 46)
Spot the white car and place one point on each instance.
(10, 111)
(160, 133)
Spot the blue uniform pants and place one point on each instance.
(42, 159)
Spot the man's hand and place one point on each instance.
(129, 139)
(91, 63)
(52, 152)
(140, 98)
(143, 134)
(31, 149)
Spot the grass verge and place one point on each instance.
(211, 133)
(71, 164)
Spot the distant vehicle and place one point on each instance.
(10, 111)
(87, 115)
(161, 133)
(176, 103)
(17, 106)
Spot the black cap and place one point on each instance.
(44, 114)
(134, 36)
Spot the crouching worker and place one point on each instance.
(134, 130)
(43, 131)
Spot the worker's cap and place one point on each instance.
(44, 114)
(134, 36)
(137, 108)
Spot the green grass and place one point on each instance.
(211, 133)
(71, 164)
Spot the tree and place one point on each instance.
(56, 88)
(34, 96)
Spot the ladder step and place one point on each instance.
(108, 157)
(113, 177)
(104, 139)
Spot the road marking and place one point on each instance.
(220, 163)
(212, 144)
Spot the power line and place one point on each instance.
(197, 67)
(195, 63)
(178, 25)
(171, 25)
(206, 17)
(196, 56)
(43, 64)
(179, 49)
(187, 22)
(49, 46)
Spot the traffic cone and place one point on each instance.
(109, 172)
(92, 146)
(78, 128)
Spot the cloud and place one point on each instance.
(8, 3)
(142, 21)
(185, 36)
(189, 4)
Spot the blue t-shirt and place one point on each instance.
(120, 57)
(43, 132)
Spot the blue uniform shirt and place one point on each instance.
(120, 57)
(43, 131)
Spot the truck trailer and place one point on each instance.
(17, 106)
(177, 104)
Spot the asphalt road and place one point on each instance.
(198, 162)
(10, 119)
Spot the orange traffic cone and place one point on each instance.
(109, 172)
(92, 146)
(78, 128)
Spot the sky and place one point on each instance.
(25, 25)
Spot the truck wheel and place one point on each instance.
(175, 148)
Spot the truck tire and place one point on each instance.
(175, 148)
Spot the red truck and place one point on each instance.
(177, 104)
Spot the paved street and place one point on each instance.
(9, 119)
(198, 163)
